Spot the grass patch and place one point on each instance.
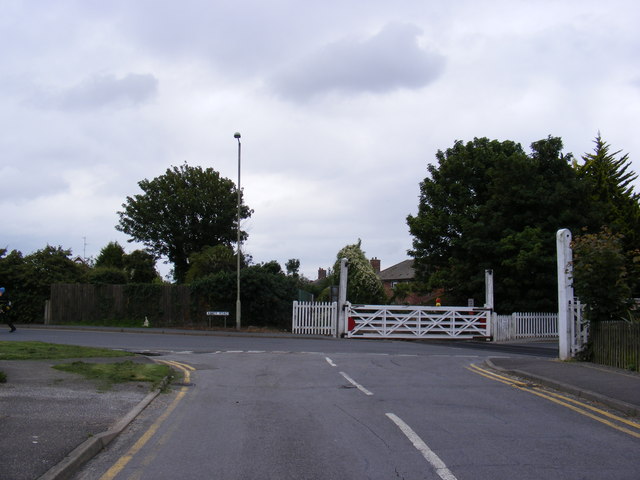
(3, 377)
(45, 351)
(108, 374)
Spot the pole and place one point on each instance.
(342, 297)
(488, 301)
(565, 292)
(238, 305)
(488, 292)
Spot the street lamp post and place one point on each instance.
(237, 136)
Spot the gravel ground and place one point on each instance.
(46, 413)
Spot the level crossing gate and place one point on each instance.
(405, 321)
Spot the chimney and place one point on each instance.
(322, 274)
(375, 263)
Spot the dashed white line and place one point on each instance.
(356, 384)
(441, 469)
(330, 362)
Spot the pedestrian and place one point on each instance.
(5, 307)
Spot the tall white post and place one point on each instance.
(565, 292)
(342, 297)
(488, 291)
(488, 299)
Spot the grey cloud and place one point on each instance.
(105, 90)
(387, 61)
(101, 91)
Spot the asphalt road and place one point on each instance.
(168, 343)
(264, 408)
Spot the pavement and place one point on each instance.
(52, 422)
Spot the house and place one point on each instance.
(399, 273)
(402, 272)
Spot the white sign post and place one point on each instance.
(215, 313)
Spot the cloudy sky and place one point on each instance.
(341, 105)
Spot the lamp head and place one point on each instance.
(236, 135)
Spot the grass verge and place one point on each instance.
(107, 374)
(44, 351)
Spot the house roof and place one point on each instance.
(399, 271)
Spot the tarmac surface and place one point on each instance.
(52, 422)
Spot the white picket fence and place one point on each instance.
(315, 318)
(524, 326)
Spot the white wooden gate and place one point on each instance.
(401, 321)
(315, 318)
(579, 326)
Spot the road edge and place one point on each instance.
(624, 407)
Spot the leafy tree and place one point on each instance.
(210, 260)
(600, 277)
(489, 205)
(292, 266)
(363, 285)
(12, 276)
(266, 294)
(114, 266)
(111, 255)
(140, 267)
(53, 264)
(181, 212)
(107, 275)
(39, 270)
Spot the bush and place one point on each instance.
(108, 276)
(266, 294)
(600, 275)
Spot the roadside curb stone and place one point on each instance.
(555, 378)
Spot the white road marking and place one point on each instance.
(330, 362)
(356, 384)
(441, 469)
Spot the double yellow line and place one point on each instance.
(142, 441)
(185, 368)
(614, 421)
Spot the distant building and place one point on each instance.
(402, 272)
(79, 260)
(399, 273)
(322, 274)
